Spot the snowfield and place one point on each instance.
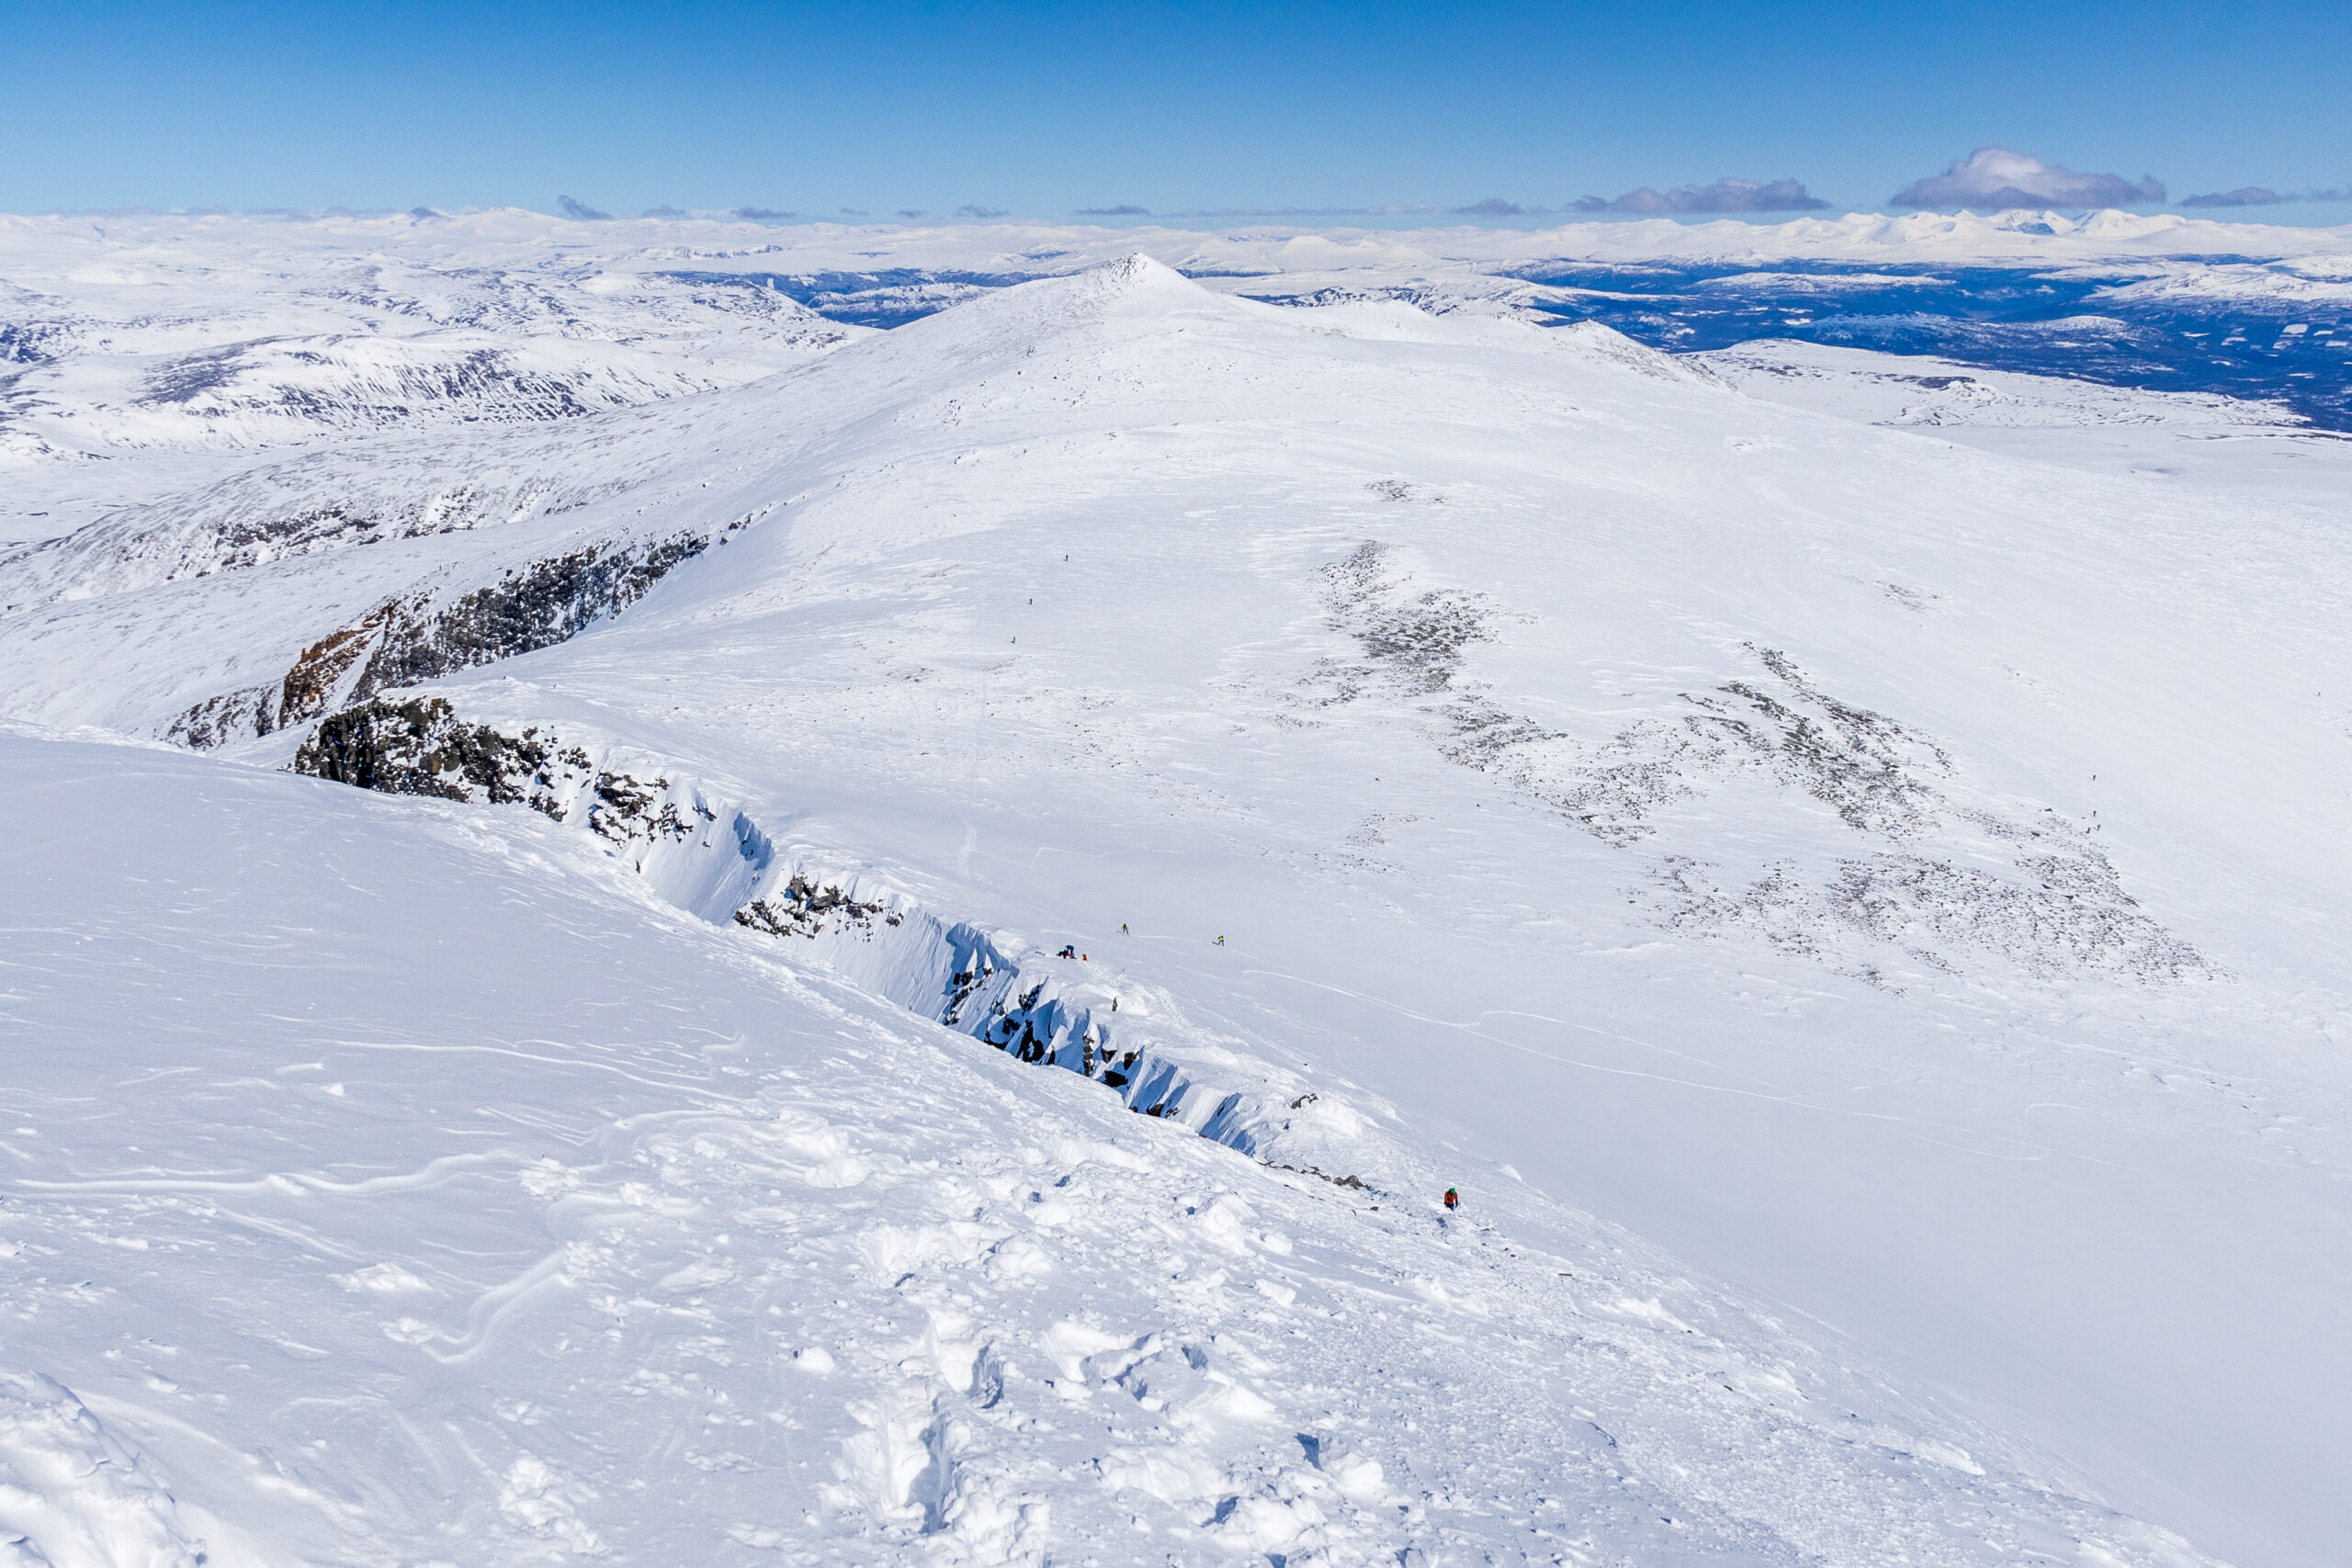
(434, 1194)
(1839, 856)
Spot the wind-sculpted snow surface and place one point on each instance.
(72, 1493)
(689, 1255)
(1885, 870)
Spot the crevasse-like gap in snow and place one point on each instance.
(707, 857)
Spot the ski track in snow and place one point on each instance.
(843, 1285)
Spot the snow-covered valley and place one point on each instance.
(1839, 858)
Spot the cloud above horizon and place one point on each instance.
(2001, 177)
(2261, 196)
(1123, 210)
(1727, 195)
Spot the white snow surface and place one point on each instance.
(2193, 437)
(139, 352)
(1845, 874)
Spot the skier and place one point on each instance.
(1453, 1199)
(1123, 929)
(1220, 942)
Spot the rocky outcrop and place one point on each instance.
(707, 857)
(421, 747)
(231, 715)
(420, 638)
(801, 909)
(1920, 868)
(531, 607)
(311, 687)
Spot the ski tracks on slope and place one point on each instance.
(974, 1333)
(992, 1320)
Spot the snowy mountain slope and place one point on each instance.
(516, 274)
(249, 253)
(687, 1254)
(2199, 437)
(161, 360)
(649, 480)
(164, 345)
(1698, 807)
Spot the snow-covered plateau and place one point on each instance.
(697, 893)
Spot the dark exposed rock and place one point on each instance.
(1354, 1183)
(310, 687)
(1930, 883)
(2067, 914)
(249, 541)
(191, 374)
(31, 343)
(231, 715)
(803, 908)
(421, 747)
(532, 607)
(406, 642)
(965, 982)
(1413, 643)
(1861, 764)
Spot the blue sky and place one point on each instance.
(1042, 109)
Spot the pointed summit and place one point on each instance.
(1136, 276)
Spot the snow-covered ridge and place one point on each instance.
(1886, 878)
(105, 362)
(937, 1308)
(143, 354)
(183, 368)
(705, 856)
(583, 519)
(133, 249)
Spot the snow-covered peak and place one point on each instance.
(958, 903)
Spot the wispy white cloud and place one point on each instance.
(2261, 196)
(1998, 177)
(1727, 195)
(1395, 209)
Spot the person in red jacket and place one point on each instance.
(1453, 1199)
